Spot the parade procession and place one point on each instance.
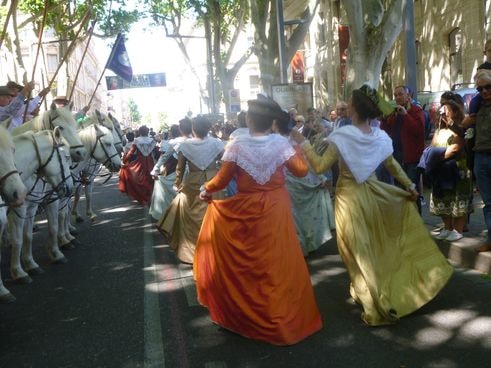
(227, 184)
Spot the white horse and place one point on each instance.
(12, 193)
(36, 154)
(62, 118)
(99, 142)
(89, 174)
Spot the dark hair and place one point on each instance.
(459, 114)
(262, 112)
(364, 106)
(175, 131)
(452, 96)
(186, 127)
(201, 126)
(241, 119)
(283, 123)
(130, 136)
(143, 130)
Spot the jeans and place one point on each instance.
(482, 170)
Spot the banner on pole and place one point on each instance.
(138, 81)
(119, 61)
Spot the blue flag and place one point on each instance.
(118, 61)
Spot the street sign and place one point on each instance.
(138, 81)
(297, 95)
(234, 100)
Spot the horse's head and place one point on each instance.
(101, 143)
(54, 157)
(108, 123)
(63, 118)
(12, 189)
(117, 126)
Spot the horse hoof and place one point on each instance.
(35, 271)
(7, 298)
(23, 280)
(75, 242)
(79, 219)
(62, 260)
(67, 246)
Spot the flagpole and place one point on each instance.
(69, 50)
(13, 5)
(104, 70)
(40, 37)
(81, 61)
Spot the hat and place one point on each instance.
(60, 98)
(14, 85)
(5, 91)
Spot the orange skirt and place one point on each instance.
(250, 271)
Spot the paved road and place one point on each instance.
(123, 300)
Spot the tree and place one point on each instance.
(135, 115)
(263, 17)
(373, 32)
(223, 22)
(64, 17)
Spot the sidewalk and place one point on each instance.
(461, 252)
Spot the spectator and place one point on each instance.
(482, 150)
(406, 127)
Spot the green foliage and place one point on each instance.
(111, 16)
(135, 115)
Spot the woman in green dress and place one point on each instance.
(452, 201)
(394, 265)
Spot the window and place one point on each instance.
(52, 61)
(455, 43)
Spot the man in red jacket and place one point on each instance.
(406, 127)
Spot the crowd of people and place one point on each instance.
(245, 203)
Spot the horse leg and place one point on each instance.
(5, 295)
(26, 255)
(15, 224)
(76, 199)
(52, 247)
(88, 200)
(64, 236)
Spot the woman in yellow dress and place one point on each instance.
(249, 269)
(394, 265)
(196, 164)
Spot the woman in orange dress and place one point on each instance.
(249, 267)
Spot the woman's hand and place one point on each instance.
(205, 196)
(297, 136)
(414, 194)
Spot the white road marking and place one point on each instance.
(153, 343)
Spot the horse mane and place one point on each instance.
(5, 138)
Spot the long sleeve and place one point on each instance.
(128, 155)
(12, 108)
(180, 169)
(397, 172)
(297, 164)
(320, 164)
(415, 119)
(222, 178)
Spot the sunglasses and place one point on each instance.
(486, 87)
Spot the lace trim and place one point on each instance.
(145, 145)
(261, 156)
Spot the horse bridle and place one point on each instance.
(3, 178)
(108, 156)
(52, 127)
(56, 148)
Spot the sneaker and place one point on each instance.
(454, 235)
(443, 234)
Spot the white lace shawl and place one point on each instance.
(201, 152)
(259, 156)
(145, 145)
(362, 152)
